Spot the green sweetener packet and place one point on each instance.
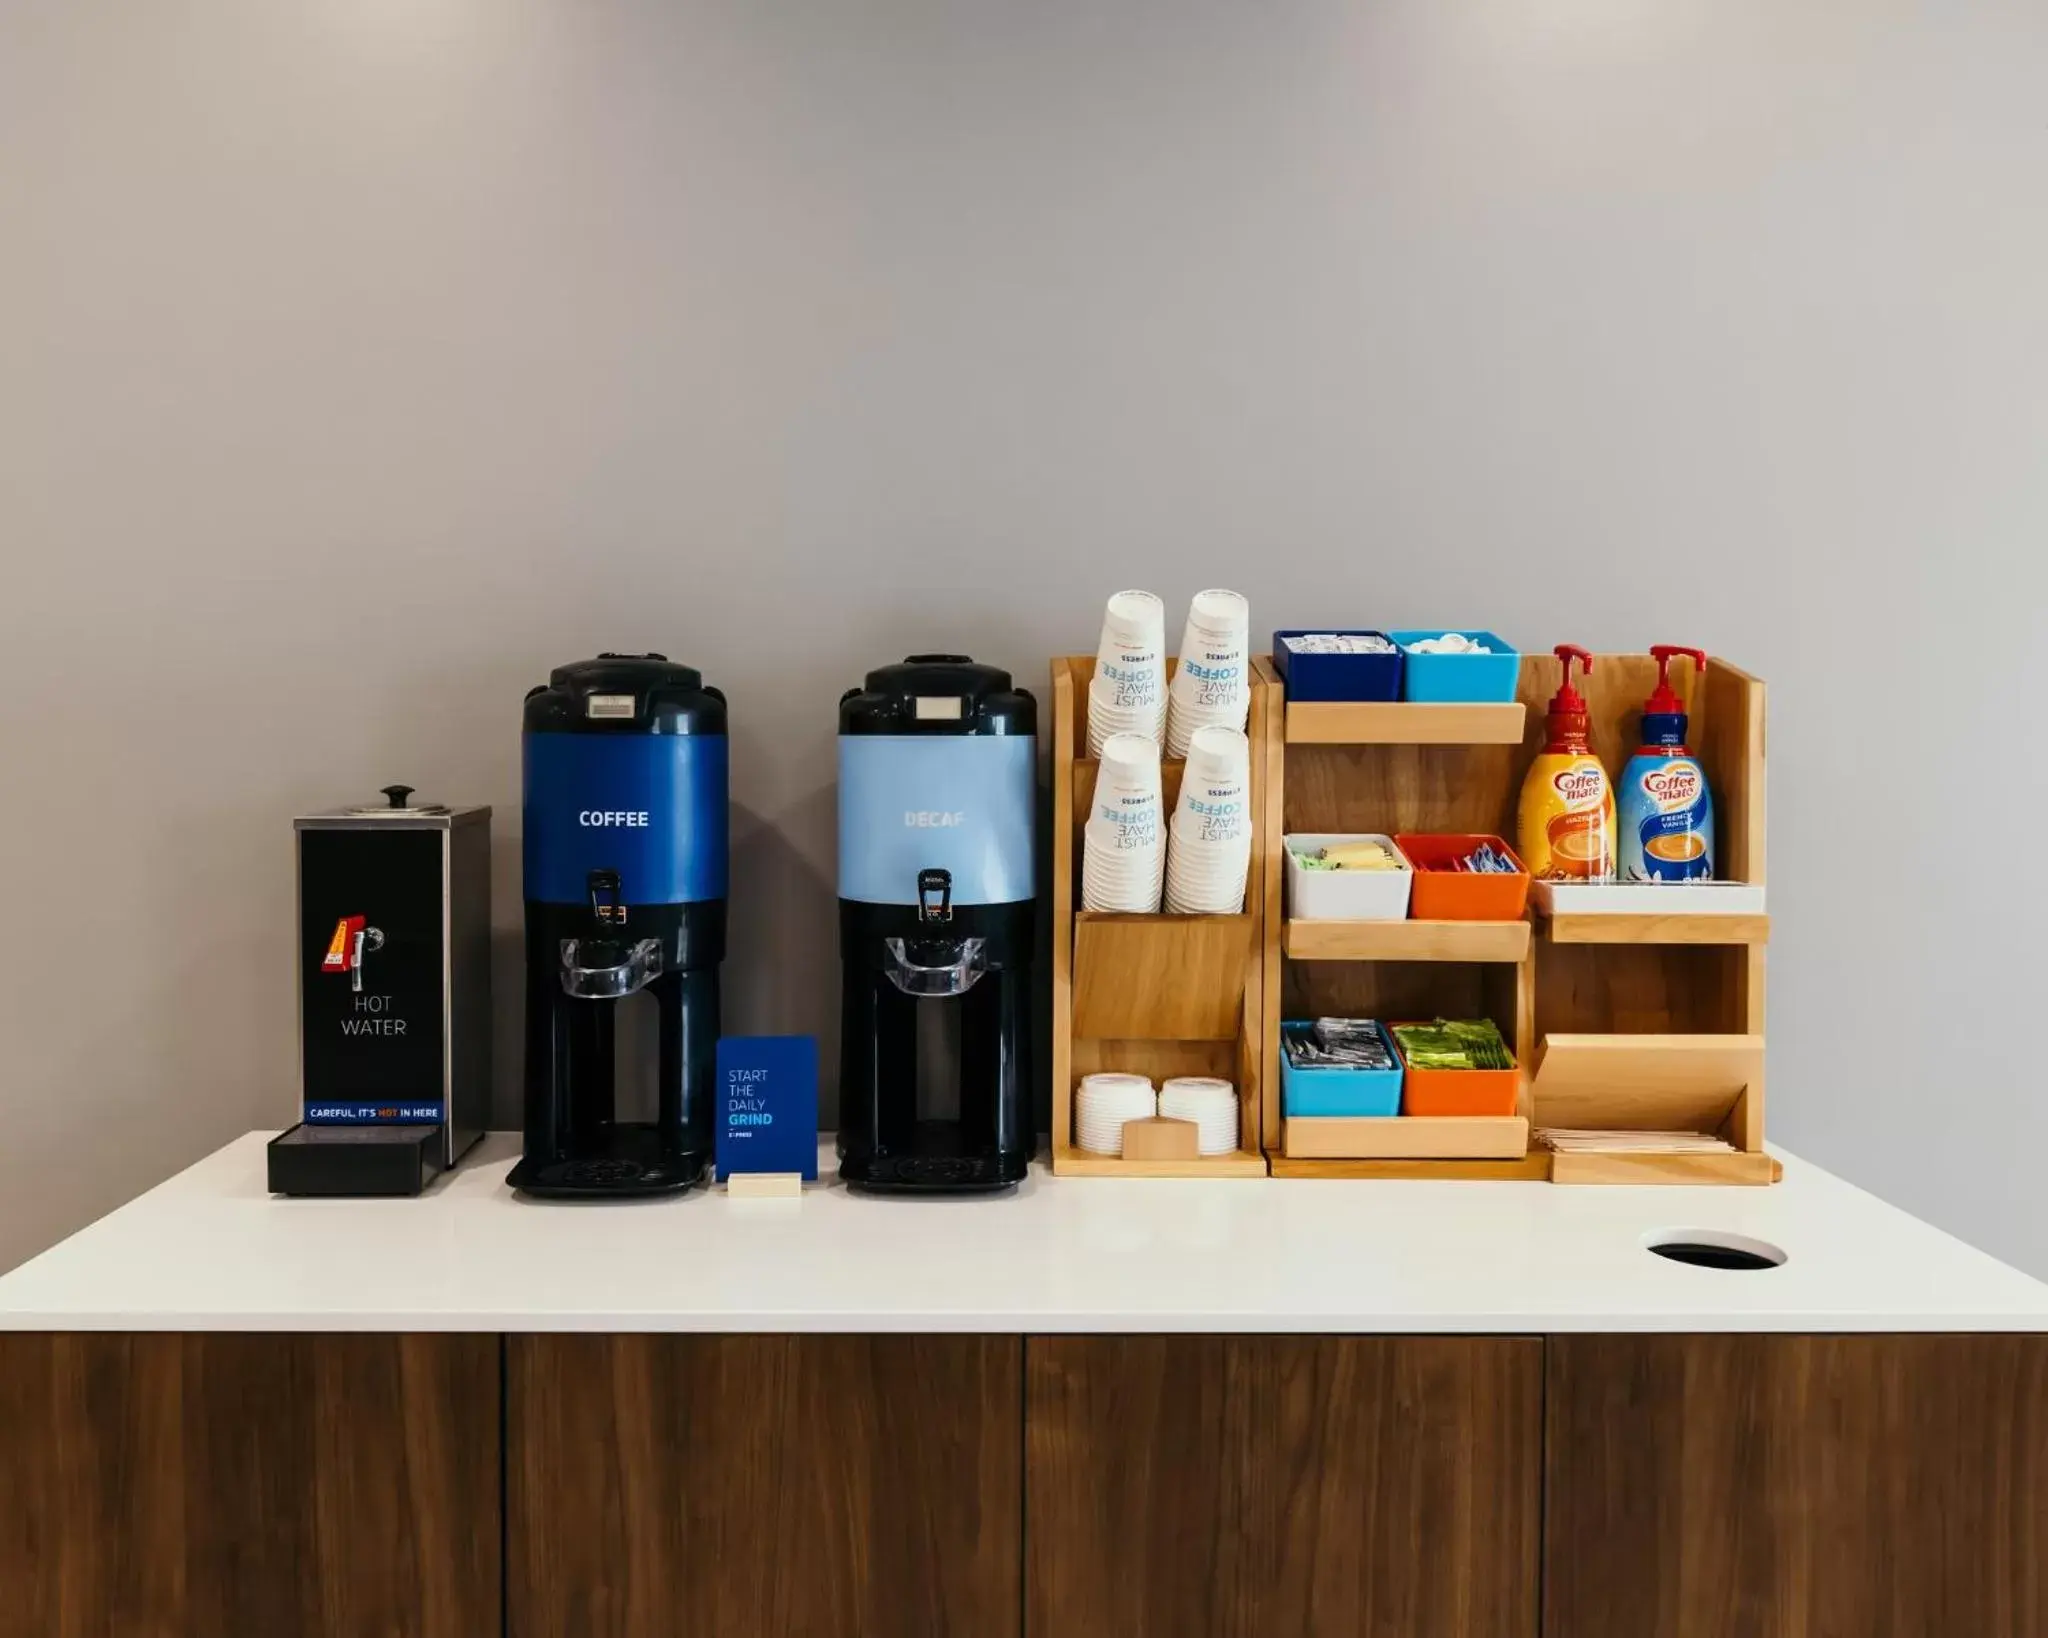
(1454, 1043)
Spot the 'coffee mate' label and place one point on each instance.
(1667, 822)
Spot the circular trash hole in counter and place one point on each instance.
(1710, 1248)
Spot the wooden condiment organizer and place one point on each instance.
(1636, 1021)
(1154, 995)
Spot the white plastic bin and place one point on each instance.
(1346, 895)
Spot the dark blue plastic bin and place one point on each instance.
(1311, 1092)
(1459, 679)
(1345, 677)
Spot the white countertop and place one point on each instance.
(212, 1250)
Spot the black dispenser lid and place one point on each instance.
(937, 694)
(625, 693)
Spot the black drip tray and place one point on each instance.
(620, 1162)
(595, 1174)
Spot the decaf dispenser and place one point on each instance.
(937, 782)
(394, 980)
(625, 864)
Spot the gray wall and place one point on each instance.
(359, 359)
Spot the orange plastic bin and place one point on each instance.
(1443, 892)
(1456, 1091)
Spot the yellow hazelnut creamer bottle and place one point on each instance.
(1566, 821)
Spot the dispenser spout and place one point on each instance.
(930, 883)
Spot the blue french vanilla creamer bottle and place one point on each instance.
(1666, 807)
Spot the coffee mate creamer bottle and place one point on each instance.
(1667, 811)
(1566, 822)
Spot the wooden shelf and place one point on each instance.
(1755, 1170)
(1633, 1006)
(1659, 929)
(1533, 1168)
(1404, 1137)
(1406, 940)
(1396, 722)
(1071, 1162)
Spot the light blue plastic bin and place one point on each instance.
(1458, 679)
(1311, 1092)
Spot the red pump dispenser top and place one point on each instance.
(1665, 701)
(1568, 705)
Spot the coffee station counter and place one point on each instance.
(1101, 1406)
(212, 1250)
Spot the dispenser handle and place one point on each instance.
(1568, 652)
(1665, 653)
(928, 883)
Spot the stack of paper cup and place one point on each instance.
(1209, 849)
(1105, 1102)
(1210, 1104)
(1123, 849)
(1212, 686)
(1128, 693)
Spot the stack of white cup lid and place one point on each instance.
(1104, 1102)
(1210, 1103)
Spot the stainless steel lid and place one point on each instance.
(396, 812)
(397, 803)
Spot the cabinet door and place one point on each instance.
(289, 1486)
(1282, 1487)
(743, 1487)
(1797, 1487)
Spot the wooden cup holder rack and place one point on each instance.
(1646, 1018)
(1153, 995)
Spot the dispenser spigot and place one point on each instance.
(930, 882)
(607, 898)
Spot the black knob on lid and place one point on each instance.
(397, 794)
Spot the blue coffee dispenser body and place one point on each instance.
(626, 852)
(937, 897)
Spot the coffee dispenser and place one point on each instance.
(625, 868)
(937, 776)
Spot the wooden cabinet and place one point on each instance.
(338, 1486)
(1797, 1487)
(757, 1486)
(160, 1486)
(1250, 1487)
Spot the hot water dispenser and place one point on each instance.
(394, 958)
